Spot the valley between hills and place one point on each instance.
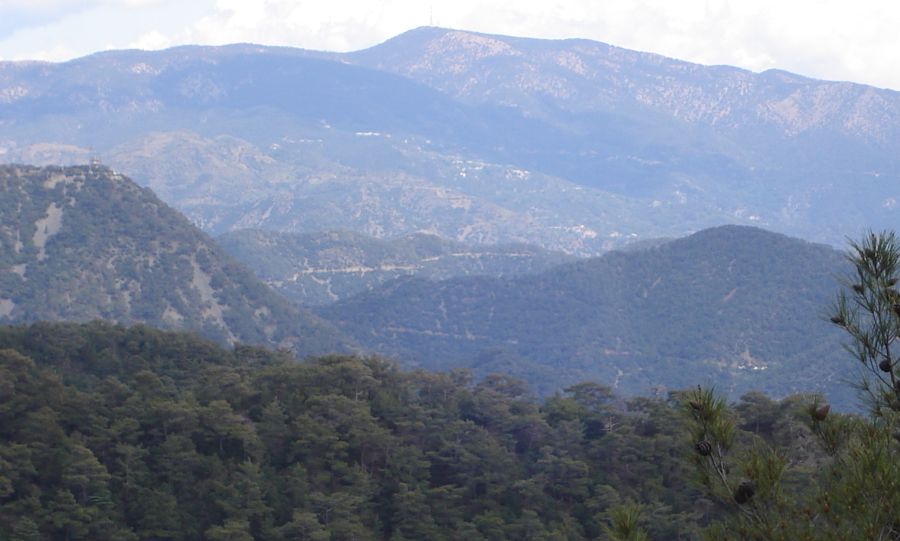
(520, 224)
(455, 286)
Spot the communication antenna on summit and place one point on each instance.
(94, 158)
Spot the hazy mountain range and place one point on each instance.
(734, 306)
(480, 164)
(572, 145)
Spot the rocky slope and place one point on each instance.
(587, 76)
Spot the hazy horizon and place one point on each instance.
(824, 40)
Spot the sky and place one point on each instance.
(828, 39)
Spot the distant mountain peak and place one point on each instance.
(584, 75)
(477, 45)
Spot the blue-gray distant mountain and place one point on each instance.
(572, 145)
(737, 307)
(84, 243)
(321, 268)
(776, 146)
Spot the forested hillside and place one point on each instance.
(121, 433)
(738, 307)
(83, 243)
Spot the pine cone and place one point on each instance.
(885, 365)
(821, 412)
(837, 320)
(858, 288)
(703, 447)
(744, 491)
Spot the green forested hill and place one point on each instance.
(121, 433)
(736, 306)
(82, 243)
(320, 268)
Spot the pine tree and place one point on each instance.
(858, 497)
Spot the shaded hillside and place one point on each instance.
(82, 243)
(571, 145)
(315, 269)
(738, 307)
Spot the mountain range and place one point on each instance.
(571, 145)
(333, 176)
(426, 291)
(735, 306)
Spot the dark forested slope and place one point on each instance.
(132, 433)
(736, 306)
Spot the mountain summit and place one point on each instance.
(579, 75)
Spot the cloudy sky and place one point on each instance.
(830, 39)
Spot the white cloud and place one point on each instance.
(78, 5)
(58, 53)
(332, 25)
(152, 41)
(33, 5)
(89, 26)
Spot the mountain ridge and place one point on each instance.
(443, 42)
(739, 304)
(83, 243)
(320, 268)
(653, 146)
